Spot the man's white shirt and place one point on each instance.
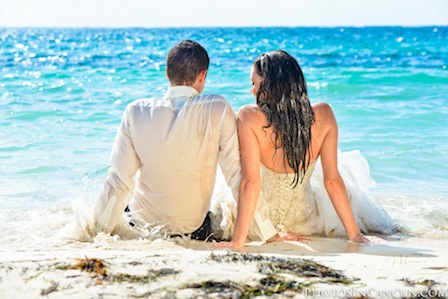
(175, 144)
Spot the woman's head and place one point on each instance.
(280, 90)
(278, 74)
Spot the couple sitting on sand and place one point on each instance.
(279, 158)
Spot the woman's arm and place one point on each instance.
(249, 190)
(250, 186)
(332, 179)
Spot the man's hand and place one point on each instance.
(289, 236)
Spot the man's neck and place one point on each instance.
(196, 86)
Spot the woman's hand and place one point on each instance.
(232, 245)
(279, 237)
(360, 239)
(289, 236)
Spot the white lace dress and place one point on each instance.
(289, 209)
(307, 208)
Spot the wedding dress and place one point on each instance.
(307, 208)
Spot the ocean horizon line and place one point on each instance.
(231, 27)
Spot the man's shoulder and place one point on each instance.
(213, 98)
(142, 103)
(218, 102)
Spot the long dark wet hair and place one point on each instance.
(283, 98)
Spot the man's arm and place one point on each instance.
(229, 154)
(119, 185)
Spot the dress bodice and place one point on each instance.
(289, 208)
(307, 209)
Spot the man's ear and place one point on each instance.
(202, 76)
(166, 73)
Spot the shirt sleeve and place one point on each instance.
(229, 158)
(230, 162)
(119, 185)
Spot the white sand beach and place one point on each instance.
(407, 268)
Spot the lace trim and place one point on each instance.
(287, 206)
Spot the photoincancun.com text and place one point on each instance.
(389, 293)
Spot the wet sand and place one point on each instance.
(189, 269)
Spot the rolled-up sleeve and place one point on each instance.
(119, 185)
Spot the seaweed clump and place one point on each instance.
(303, 268)
(151, 275)
(266, 286)
(98, 268)
(426, 282)
(272, 283)
(298, 267)
(91, 265)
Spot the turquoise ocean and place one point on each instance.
(63, 91)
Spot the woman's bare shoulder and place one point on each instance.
(322, 111)
(250, 108)
(321, 107)
(249, 112)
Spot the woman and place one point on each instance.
(284, 135)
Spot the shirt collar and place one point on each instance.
(180, 91)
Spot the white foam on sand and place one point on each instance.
(34, 243)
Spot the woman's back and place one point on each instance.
(286, 134)
(290, 208)
(305, 208)
(273, 156)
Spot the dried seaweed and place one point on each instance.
(303, 268)
(144, 295)
(90, 265)
(237, 257)
(272, 283)
(266, 286)
(98, 268)
(298, 267)
(34, 276)
(151, 275)
(50, 289)
(227, 289)
(426, 282)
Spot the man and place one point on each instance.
(176, 144)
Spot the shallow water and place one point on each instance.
(62, 93)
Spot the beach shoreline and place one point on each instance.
(64, 91)
(189, 269)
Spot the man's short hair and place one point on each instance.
(185, 62)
